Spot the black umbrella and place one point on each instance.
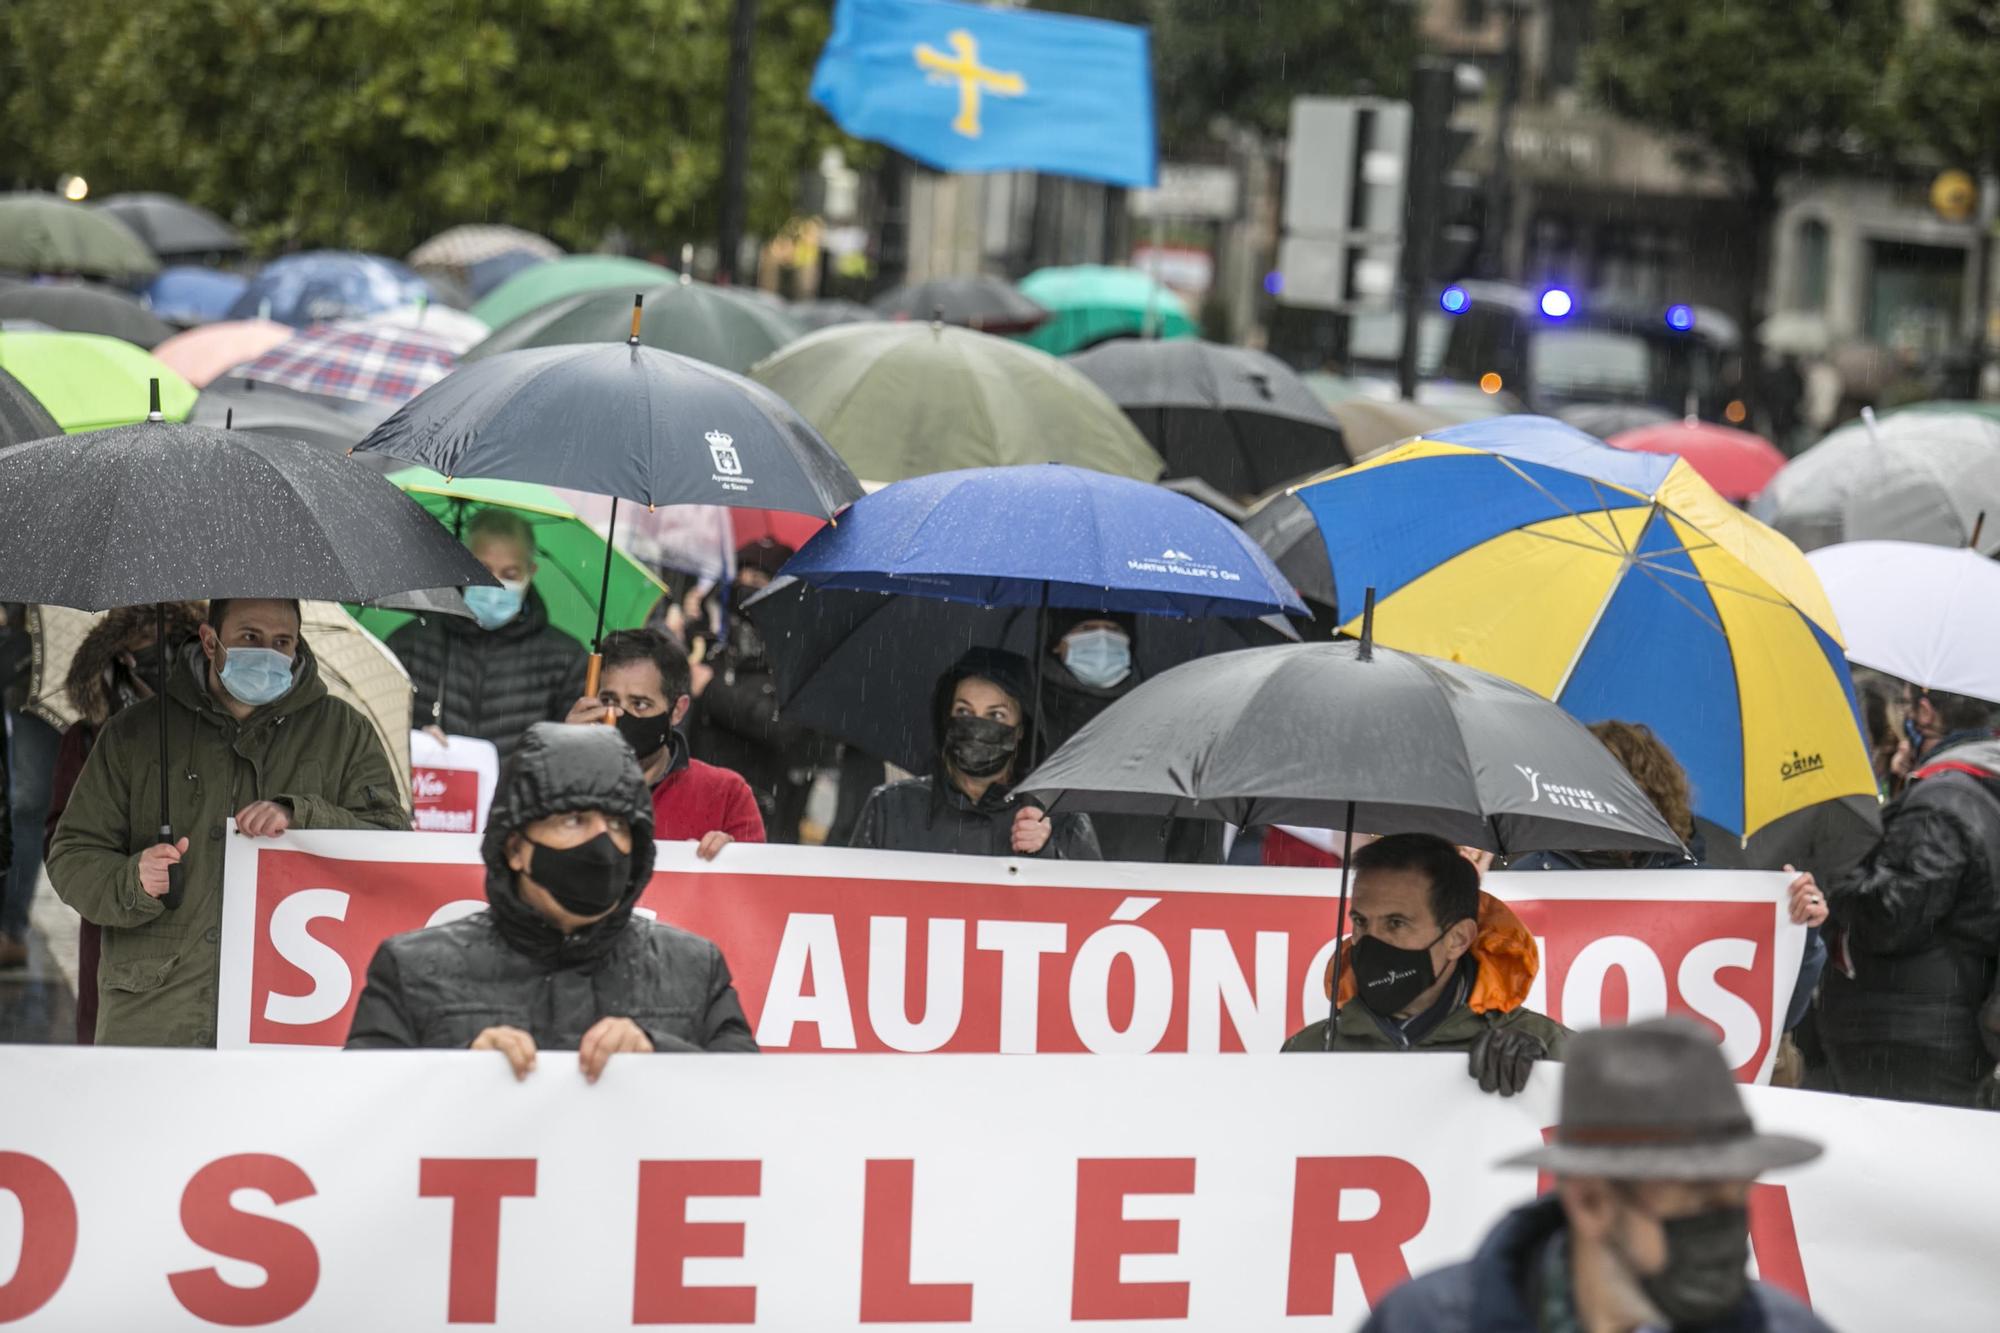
(22, 416)
(973, 301)
(1239, 419)
(1289, 534)
(271, 409)
(173, 227)
(76, 307)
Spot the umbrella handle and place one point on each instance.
(176, 876)
(590, 678)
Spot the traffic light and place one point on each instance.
(1343, 217)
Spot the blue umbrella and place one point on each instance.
(189, 294)
(324, 285)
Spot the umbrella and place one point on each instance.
(89, 382)
(172, 227)
(1458, 402)
(1239, 419)
(1370, 425)
(323, 285)
(355, 362)
(535, 287)
(266, 409)
(22, 416)
(204, 354)
(1921, 613)
(454, 328)
(1914, 476)
(484, 277)
(902, 400)
(812, 315)
(463, 246)
(75, 307)
(1289, 534)
(185, 294)
(971, 301)
(1735, 462)
(43, 233)
(1991, 411)
(719, 325)
(1606, 600)
(1607, 419)
(1197, 489)
(1089, 303)
(690, 539)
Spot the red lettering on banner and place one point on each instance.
(285, 1253)
(1776, 1240)
(667, 1240)
(476, 1186)
(444, 800)
(48, 1234)
(1104, 1236)
(1320, 1235)
(887, 1294)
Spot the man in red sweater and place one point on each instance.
(645, 688)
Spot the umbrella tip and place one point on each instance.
(937, 319)
(153, 412)
(687, 263)
(1367, 650)
(638, 311)
(229, 421)
(1978, 525)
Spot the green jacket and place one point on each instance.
(309, 751)
(1359, 1031)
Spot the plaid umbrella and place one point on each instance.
(365, 363)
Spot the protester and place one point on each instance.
(645, 689)
(558, 960)
(1918, 923)
(253, 735)
(1648, 1227)
(1438, 965)
(507, 668)
(116, 665)
(966, 803)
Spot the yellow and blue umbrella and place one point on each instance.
(1606, 598)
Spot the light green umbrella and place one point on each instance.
(569, 551)
(90, 382)
(906, 399)
(533, 288)
(45, 233)
(720, 325)
(1088, 303)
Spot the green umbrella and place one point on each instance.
(720, 325)
(570, 553)
(44, 233)
(906, 399)
(1089, 303)
(90, 382)
(1991, 411)
(533, 288)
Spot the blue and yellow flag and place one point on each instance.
(970, 88)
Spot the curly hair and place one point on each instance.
(124, 629)
(1653, 766)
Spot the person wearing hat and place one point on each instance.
(1648, 1225)
(558, 960)
(966, 804)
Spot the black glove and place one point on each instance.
(1502, 1058)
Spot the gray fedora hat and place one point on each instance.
(1654, 1101)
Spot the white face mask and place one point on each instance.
(1100, 658)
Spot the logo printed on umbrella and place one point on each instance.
(1575, 798)
(1799, 765)
(728, 472)
(1175, 561)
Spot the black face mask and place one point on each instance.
(979, 747)
(1387, 978)
(587, 879)
(1706, 1276)
(646, 735)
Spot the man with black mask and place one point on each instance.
(1648, 1226)
(559, 960)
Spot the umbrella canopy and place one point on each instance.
(22, 416)
(1289, 534)
(1607, 419)
(1915, 476)
(1991, 411)
(203, 355)
(532, 288)
(1370, 425)
(719, 325)
(1298, 734)
(186, 294)
(1736, 463)
(356, 362)
(323, 285)
(484, 277)
(903, 400)
(1610, 603)
(1922, 613)
(632, 422)
(172, 227)
(463, 246)
(454, 328)
(75, 307)
(89, 382)
(266, 409)
(1089, 303)
(43, 233)
(971, 301)
(569, 553)
(812, 315)
(1239, 419)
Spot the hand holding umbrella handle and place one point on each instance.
(176, 876)
(591, 675)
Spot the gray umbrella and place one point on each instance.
(172, 227)
(22, 416)
(76, 307)
(724, 326)
(971, 301)
(1914, 477)
(1289, 534)
(269, 409)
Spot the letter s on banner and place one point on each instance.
(332, 982)
(1742, 1029)
(285, 1253)
(48, 1234)
(1152, 990)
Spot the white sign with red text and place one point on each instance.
(842, 950)
(451, 784)
(163, 1191)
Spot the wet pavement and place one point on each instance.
(38, 1002)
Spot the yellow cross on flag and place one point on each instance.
(973, 77)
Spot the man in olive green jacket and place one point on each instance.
(253, 735)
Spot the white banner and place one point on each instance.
(412, 1191)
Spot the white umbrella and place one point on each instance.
(1922, 613)
(458, 330)
(1915, 476)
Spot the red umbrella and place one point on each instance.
(1735, 462)
(792, 530)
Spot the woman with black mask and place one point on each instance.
(966, 804)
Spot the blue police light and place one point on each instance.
(1454, 300)
(1274, 282)
(1680, 318)
(1557, 303)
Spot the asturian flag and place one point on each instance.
(964, 87)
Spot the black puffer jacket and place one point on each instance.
(907, 817)
(735, 725)
(509, 965)
(496, 683)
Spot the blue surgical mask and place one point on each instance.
(1100, 658)
(494, 607)
(256, 676)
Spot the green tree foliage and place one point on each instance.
(1947, 84)
(375, 123)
